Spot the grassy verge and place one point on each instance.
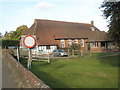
(78, 72)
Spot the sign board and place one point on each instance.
(22, 45)
(29, 41)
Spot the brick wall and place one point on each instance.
(96, 49)
(23, 77)
(79, 42)
(93, 49)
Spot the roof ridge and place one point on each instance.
(36, 20)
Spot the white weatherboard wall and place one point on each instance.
(43, 49)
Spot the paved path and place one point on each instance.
(7, 79)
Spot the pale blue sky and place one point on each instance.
(14, 13)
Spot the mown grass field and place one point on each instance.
(78, 72)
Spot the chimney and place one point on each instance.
(92, 27)
(92, 22)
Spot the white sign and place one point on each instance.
(29, 41)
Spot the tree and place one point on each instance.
(7, 35)
(75, 47)
(19, 32)
(111, 11)
(0, 35)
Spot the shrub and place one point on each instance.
(76, 47)
(9, 42)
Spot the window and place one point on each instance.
(76, 41)
(47, 47)
(82, 42)
(62, 45)
(95, 44)
(93, 28)
(102, 44)
(69, 42)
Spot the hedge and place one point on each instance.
(9, 42)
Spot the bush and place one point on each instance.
(9, 42)
(76, 47)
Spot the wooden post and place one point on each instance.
(110, 45)
(29, 59)
(18, 53)
(35, 54)
(81, 52)
(89, 50)
(105, 45)
(48, 58)
(112, 48)
(73, 52)
(90, 53)
(68, 52)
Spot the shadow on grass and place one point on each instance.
(111, 58)
(59, 66)
(50, 80)
(44, 76)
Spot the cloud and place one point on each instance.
(44, 5)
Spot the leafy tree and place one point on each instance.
(0, 34)
(6, 32)
(19, 32)
(111, 11)
(76, 47)
(7, 35)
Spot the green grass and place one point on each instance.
(78, 72)
(103, 54)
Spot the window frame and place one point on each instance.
(76, 41)
(62, 43)
(82, 42)
(95, 44)
(69, 42)
(48, 47)
(92, 28)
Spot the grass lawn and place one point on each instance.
(78, 72)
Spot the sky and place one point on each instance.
(14, 13)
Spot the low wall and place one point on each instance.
(23, 77)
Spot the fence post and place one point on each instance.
(90, 53)
(73, 52)
(68, 53)
(35, 54)
(18, 53)
(48, 58)
(81, 52)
